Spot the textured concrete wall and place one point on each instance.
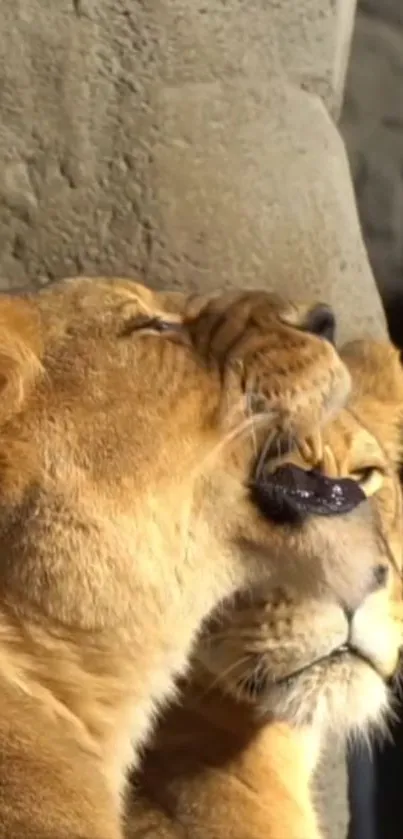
(372, 124)
(190, 142)
(182, 140)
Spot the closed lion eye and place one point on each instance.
(148, 323)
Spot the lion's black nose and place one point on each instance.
(321, 321)
(290, 494)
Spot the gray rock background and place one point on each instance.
(187, 141)
(372, 125)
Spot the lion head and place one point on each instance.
(314, 653)
(130, 422)
(276, 668)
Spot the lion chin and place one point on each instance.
(341, 694)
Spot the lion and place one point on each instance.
(130, 425)
(279, 670)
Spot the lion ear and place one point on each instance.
(376, 370)
(377, 390)
(20, 352)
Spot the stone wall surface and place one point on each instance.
(372, 125)
(181, 140)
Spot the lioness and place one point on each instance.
(271, 676)
(130, 422)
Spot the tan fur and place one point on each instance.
(130, 423)
(235, 760)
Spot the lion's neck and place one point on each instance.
(108, 686)
(261, 770)
(98, 693)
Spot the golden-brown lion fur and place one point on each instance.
(129, 426)
(235, 759)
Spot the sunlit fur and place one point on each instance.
(130, 421)
(236, 758)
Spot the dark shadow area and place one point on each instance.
(362, 793)
(394, 312)
(389, 771)
(375, 786)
